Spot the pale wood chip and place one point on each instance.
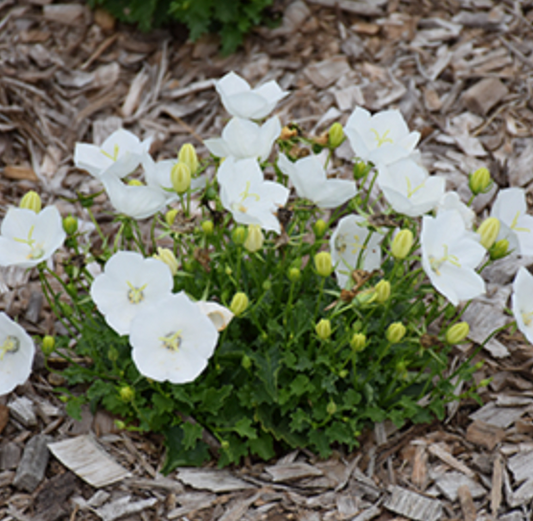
(20, 172)
(211, 479)
(122, 507)
(133, 97)
(68, 14)
(484, 95)
(484, 434)
(496, 490)
(192, 502)
(325, 73)
(520, 171)
(292, 471)
(368, 514)
(419, 475)
(498, 416)
(438, 451)
(450, 482)
(413, 505)
(361, 7)
(521, 465)
(467, 503)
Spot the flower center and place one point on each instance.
(36, 250)
(527, 318)
(517, 228)
(11, 345)
(381, 139)
(113, 157)
(411, 191)
(135, 294)
(340, 243)
(172, 342)
(436, 263)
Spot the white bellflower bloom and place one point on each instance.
(522, 302)
(452, 201)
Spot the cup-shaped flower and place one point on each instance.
(129, 284)
(408, 187)
(28, 238)
(382, 138)
(457, 333)
(16, 354)
(242, 138)
(241, 101)
(167, 256)
(452, 201)
(254, 238)
(219, 315)
(488, 231)
(352, 248)
(120, 154)
(522, 302)
(402, 244)
(516, 226)
(310, 181)
(172, 340)
(245, 193)
(450, 255)
(31, 201)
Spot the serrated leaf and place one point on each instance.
(177, 455)
(192, 432)
(244, 428)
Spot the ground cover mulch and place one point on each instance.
(462, 74)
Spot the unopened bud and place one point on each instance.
(331, 408)
(31, 201)
(208, 227)
(254, 239)
(457, 333)
(48, 345)
(395, 332)
(361, 169)
(170, 216)
(358, 342)
(294, 274)
(126, 393)
(180, 176)
(187, 155)
(488, 231)
(382, 289)
(70, 225)
(402, 244)
(238, 234)
(480, 181)
(246, 362)
(320, 228)
(167, 256)
(323, 264)
(323, 329)
(499, 249)
(239, 303)
(335, 135)
(135, 182)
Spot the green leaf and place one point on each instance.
(244, 428)
(268, 366)
(177, 455)
(192, 432)
(213, 399)
(301, 384)
(73, 408)
(262, 446)
(320, 440)
(163, 403)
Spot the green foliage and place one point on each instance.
(231, 19)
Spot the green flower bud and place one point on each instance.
(358, 342)
(382, 289)
(31, 201)
(323, 264)
(167, 256)
(238, 234)
(224, 445)
(254, 238)
(401, 369)
(331, 408)
(323, 329)
(239, 303)
(228, 271)
(366, 297)
(489, 230)
(126, 393)
(246, 362)
(499, 249)
(70, 225)
(170, 216)
(267, 285)
(135, 182)
(395, 332)
(112, 354)
(187, 155)
(335, 135)
(320, 228)
(402, 244)
(48, 345)
(457, 333)
(294, 274)
(180, 176)
(361, 169)
(120, 425)
(480, 181)
(343, 373)
(208, 227)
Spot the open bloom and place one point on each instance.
(309, 178)
(172, 340)
(28, 238)
(450, 255)
(245, 193)
(353, 246)
(16, 354)
(242, 138)
(129, 284)
(408, 187)
(120, 154)
(452, 201)
(382, 138)
(220, 316)
(240, 100)
(516, 226)
(522, 302)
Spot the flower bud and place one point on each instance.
(360, 169)
(401, 369)
(457, 333)
(489, 230)
(135, 182)
(254, 238)
(167, 256)
(246, 362)
(335, 135)
(208, 227)
(70, 225)
(126, 393)
(366, 297)
(31, 201)
(395, 332)
(499, 249)
(358, 342)
(323, 329)
(170, 216)
(320, 228)
(331, 408)
(402, 244)
(48, 345)
(187, 155)
(238, 234)
(480, 181)
(323, 264)
(343, 373)
(267, 285)
(180, 176)
(120, 425)
(228, 271)
(382, 289)
(112, 354)
(294, 274)
(239, 303)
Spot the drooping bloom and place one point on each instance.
(522, 302)
(241, 101)
(450, 255)
(220, 315)
(129, 284)
(452, 201)
(172, 340)
(516, 226)
(350, 243)
(408, 187)
(29, 238)
(16, 354)
(382, 138)
(310, 181)
(242, 138)
(245, 193)
(120, 154)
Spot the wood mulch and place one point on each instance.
(461, 71)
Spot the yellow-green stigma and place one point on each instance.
(437, 263)
(381, 139)
(136, 295)
(171, 342)
(11, 345)
(113, 157)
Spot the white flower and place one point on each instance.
(243, 102)
(129, 284)
(350, 243)
(452, 201)
(408, 187)
(381, 138)
(242, 138)
(522, 302)
(450, 255)
(245, 193)
(16, 354)
(138, 202)
(172, 340)
(29, 238)
(309, 178)
(120, 154)
(510, 209)
(220, 316)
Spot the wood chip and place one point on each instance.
(482, 96)
(450, 460)
(123, 506)
(23, 410)
(210, 479)
(484, 434)
(327, 72)
(33, 464)
(496, 490)
(467, 503)
(450, 483)
(498, 416)
(419, 475)
(20, 172)
(521, 465)
(68, 14)
(413, 505)
(292, 471)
